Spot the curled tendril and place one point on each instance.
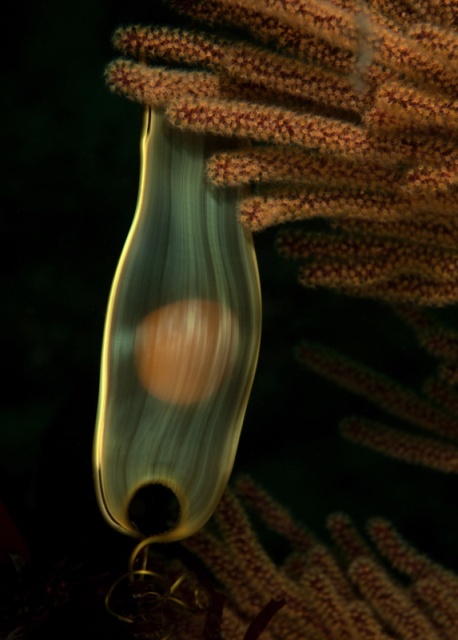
(157, 605)
(151, 600)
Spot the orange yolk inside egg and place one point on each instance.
(184, 350)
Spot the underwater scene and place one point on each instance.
(230, 408)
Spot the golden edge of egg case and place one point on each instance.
(231, 278)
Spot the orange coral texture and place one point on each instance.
(433, 408)
(352, 114)
(334, 592)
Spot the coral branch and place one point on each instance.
(403, 446)
(325, 596)
(379, 389)
(352, 113)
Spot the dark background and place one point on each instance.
(69, 188)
